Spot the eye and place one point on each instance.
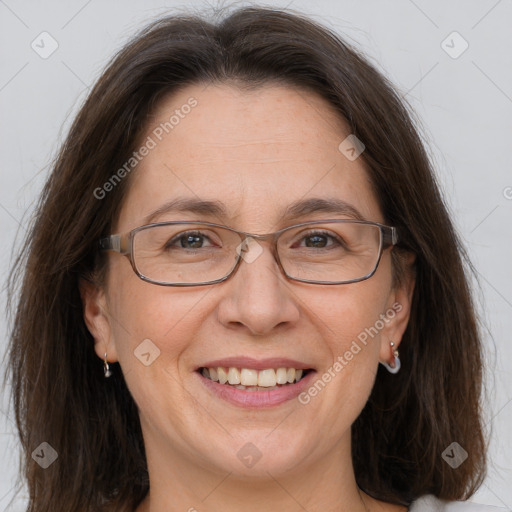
(188, 240)
(319, 239)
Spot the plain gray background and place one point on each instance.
(462, 98)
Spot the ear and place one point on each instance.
(97, 318)
(398, 308)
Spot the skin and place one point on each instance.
(256, 152)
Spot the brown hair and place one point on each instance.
(59, 393)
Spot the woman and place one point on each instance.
(166, 355)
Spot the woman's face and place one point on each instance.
(256, 153)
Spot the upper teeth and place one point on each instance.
(249, 377)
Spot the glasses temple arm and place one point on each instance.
(115, 243)
(390, 236)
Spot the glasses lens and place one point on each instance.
(184, 253)
(199, 253)
(337, 251)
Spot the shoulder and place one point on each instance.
(430, 503)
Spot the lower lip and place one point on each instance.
(257, 399)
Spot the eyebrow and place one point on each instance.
(296, 210)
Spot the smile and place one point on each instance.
(254, 380)
(255, 384)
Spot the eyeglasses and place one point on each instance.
(189, 253)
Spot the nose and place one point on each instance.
(258, 297)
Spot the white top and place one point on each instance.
(430, 503)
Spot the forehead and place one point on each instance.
(255, 152)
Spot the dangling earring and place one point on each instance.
(106, 367)
(396, 367)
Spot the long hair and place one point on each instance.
(59, 393)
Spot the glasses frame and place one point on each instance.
(123, 244)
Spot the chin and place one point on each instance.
(262, 453)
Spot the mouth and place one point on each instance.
(250, 379)
(249, 383)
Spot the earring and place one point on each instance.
(106, 368)
(396, 367)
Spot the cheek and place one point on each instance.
(354, 344)
(351, 325)
(153, 328)
(147, 318)
(352, 313)
(167, 317)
